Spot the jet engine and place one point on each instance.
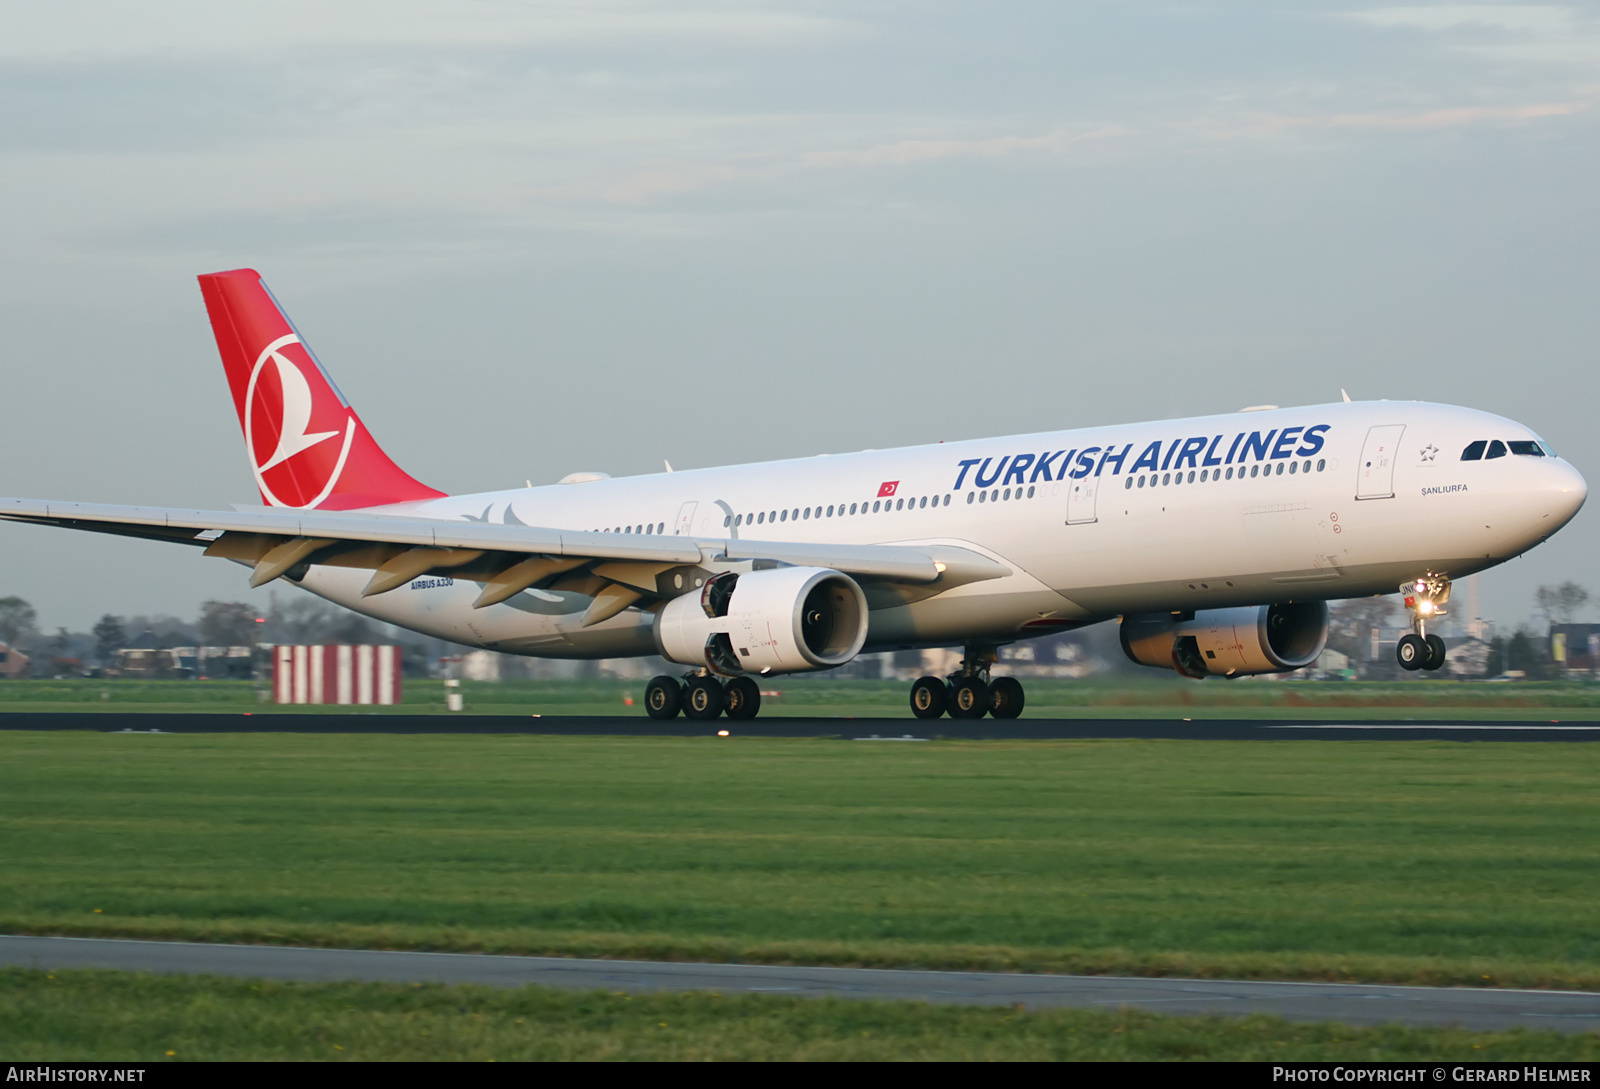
(782, 620)
(1229, 642)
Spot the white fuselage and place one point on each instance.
(1328, 501)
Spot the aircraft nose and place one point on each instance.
(1566, 491)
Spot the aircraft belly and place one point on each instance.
(948, 619)
(1177, 545)
(1266, 587)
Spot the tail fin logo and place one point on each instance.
(279, 415)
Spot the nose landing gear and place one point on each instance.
(1425, 599)
(968, 692)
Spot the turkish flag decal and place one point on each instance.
(887, 488)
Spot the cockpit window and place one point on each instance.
(1494, 448)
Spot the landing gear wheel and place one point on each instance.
(702, 698)
(1425, 598)
(663, 698)
(969, 698)
(1411, 652)
(928, 697)
(1436, 653)
(744, 698)
(1006, 697)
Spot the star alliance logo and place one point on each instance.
(1429, 451)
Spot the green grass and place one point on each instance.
(110, 1016)
(1425, 862)
(1154, 695)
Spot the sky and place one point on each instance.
(536, 238)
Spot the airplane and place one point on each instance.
(1218, 541)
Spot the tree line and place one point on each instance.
(302, 619)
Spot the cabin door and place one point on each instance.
(1375, 470)
(1080, 499)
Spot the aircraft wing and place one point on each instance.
(617, 569)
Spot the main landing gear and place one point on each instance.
(1425, 598)
(702, 697)
(968, 692)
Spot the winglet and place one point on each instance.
(306, 445)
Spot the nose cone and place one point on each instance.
(1564, 491)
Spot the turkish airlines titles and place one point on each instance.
(1194, 452)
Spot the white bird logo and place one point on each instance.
(294, 418)
(296, 414)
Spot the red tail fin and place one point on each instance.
(307, 447)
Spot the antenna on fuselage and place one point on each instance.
(1345, 395)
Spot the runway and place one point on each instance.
(1482, 1009)
(857, 729)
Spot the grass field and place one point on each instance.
(1408, 862)
(110, 1016)
(1157, 696)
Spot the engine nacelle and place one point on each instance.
(784, 620)
(1229, 642)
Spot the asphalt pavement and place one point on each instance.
(1481, 1009)
(903, 728)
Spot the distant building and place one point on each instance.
(1330, 665)
(1575, 648)
(149, 663)
(1468, 658)
(237, 663)
(13, 663)
(184, 663)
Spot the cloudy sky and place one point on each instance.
(534, 238)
